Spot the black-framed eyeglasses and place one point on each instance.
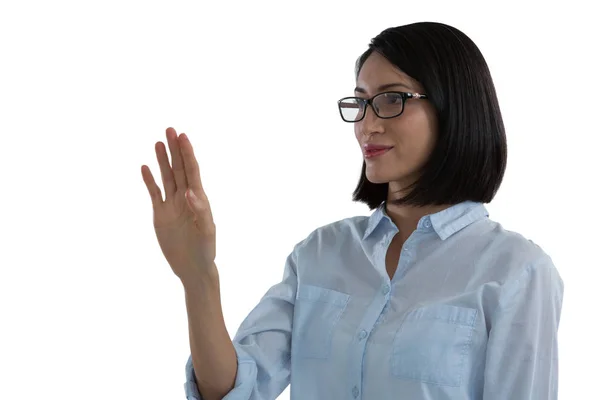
(385, 105)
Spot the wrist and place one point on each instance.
(205, 278)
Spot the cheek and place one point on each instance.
(419, 144)
(420, 134)
(356, 131)
(414, 146)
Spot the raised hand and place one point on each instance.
(183, 220)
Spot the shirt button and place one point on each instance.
(355, 392)
(362, 334)
(386, 289)
(427, 224)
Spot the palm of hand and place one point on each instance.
(183, 224)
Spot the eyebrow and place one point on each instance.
(383, 87)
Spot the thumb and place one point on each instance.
(201, 211)
(199, 206)
(192, 200)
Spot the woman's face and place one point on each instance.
(412, 134)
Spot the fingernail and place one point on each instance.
(191, 194)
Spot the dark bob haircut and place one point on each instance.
(469, 157)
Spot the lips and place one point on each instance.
(375, 153)
(376, 147)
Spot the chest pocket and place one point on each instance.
(316, 313)
(432, 343)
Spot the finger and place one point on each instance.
(153, 189)
(192, 170)
(201, 209)
(176, 160)
(166, 172)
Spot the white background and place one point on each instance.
(89, 307)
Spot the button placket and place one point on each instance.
(386, 289)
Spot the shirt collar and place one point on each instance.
(445, 223)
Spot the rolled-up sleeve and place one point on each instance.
(191, 386)
(522, 350)
(262, 344)
(244, 380)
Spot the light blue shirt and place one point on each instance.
(472, 312)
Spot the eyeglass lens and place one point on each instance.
(386, 105)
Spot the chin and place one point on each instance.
(378, 178)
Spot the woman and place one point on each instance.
(427, 298)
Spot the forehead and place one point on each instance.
(378, 71)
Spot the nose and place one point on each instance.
(371, 123)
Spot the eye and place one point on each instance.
(392, 99)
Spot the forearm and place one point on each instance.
(213, 355)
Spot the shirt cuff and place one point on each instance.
(191, 386)
(245, 379)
